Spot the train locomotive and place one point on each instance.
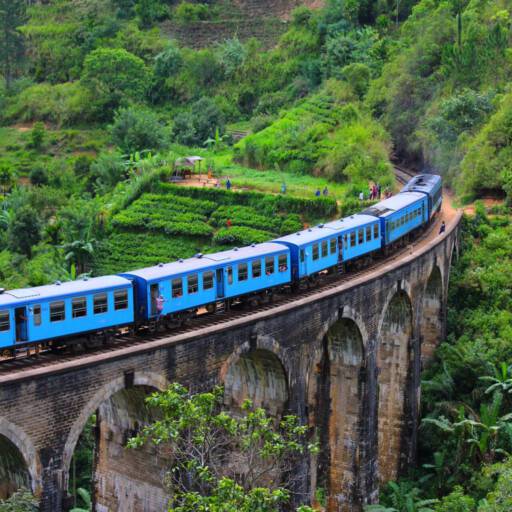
(94, 309)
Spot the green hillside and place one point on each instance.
(98, 101)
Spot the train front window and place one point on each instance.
(360, 236)
(37, 314)
(192, 283)
(368, 233)
(100, 303)
(333, 245)
(375, 231)
(243, 272)
(282, 263)
(208, 280)
(269, 265)
(78, 307)
(177, 288)
(256, 268)
(57, 311)
(121, 300)
(5, 323)
(316, 252)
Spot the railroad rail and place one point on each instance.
(43, 359)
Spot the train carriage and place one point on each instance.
(312, 251)
(60, 310)
(432, 186)
(358, 235)
(186, 285)
(400, 215)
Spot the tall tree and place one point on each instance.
(12, 16)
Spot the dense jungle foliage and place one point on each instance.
(97, 102)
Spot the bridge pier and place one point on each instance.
(347, 360)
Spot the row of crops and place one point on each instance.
(172, 222)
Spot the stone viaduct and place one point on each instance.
(346, 360)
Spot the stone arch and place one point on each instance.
(394, 355)
(338, 384)
(147, 379)
(257, 374)
(432, 314)
(19, 462)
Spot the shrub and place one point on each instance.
(37, 135)
(241, 235)
(107, 170)
(136, 129)
(201, 123)
(187, 12)
(39, 176)
(62, 104)
(114, 76)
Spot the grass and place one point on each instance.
(268, 181)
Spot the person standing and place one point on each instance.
(228, 223)
(283, 188)
(361, 196)
(379, 190)
(228, 184)
(442, 229)
(325, 192)
(317, 193)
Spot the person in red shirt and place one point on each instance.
(228, 223)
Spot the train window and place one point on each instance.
(269, 265)
(256, 268)
(345, 240)
(121, 300)
(192, 283)
(368, 233)
(79, 307)
(353, 239)
(208, 280)
(282, 263)
(324, 249)
(177, 288)
(100, 303)
(375, 231)
(316, 252)
(230, 275)
(36, 312)
(57, 311)
(302, 255)
(5, 323)
(333, 245)
(243, 272)
(360, 236)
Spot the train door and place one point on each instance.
(20, 317)
(302, 262)
(155, 293)
(220, 283)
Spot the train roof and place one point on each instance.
(306, 236)
(422, 183)
(203, 261)
(393, 204)
(354, 221)
(57, 290)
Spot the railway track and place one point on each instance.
(25, 361)
(403, 175)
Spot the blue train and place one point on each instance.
(93, 309)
